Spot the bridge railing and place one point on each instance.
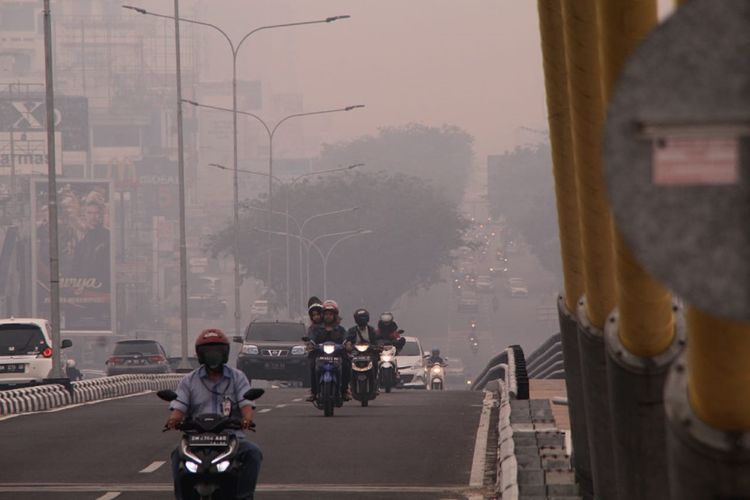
(508, 366)
(546, 362)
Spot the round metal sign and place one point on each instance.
(677, 156)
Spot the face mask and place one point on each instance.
(213, 359)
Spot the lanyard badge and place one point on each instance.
(226, 407)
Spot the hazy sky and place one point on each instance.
(471, 63)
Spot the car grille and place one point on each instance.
(406, 378)
(275, 352)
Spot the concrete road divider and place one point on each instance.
(46, 397)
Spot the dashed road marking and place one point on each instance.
(280, 406)
(296, 400)
(109, 495)
(264, 410)
(152, 468)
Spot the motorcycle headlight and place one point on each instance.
(329, 348)
(222, 466)
(387, 358)
(298, 350)
(192, 466)
(249, 349)
(362, 347)
(436, 370)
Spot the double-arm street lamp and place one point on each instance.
(287, 214)
(345, 235)
(235, 49)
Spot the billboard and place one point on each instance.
(85, 242)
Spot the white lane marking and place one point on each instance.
(109, 495)
(152, 468)
(264, 410)
(292, 488)
(296, 400)
(63, 408)
(280, 406)
(480, 445)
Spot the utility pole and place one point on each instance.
(54, 262)
(184, 364)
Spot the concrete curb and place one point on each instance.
(47, 397)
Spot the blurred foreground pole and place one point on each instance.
(585, 86)
(640, 336)
(54, 262)
(556, 86)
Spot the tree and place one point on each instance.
(520, 187)
(441, 155)
(414, 229)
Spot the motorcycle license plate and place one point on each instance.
(361, 359)
(328, 359)
(208, 440)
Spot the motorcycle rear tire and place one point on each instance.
(388, 388)
(364, 402)
(327, 398)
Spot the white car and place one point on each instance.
(26, 351)
(517, 287)
(411, 365)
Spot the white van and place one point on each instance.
(26, 351)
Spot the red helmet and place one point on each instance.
(331, 305)
(211, 336)
(208, 343)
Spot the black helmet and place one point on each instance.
(361, 317)
(435, 352)
(313, 300)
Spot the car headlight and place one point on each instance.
(191, 466)
(222, 466)
(298, 350)
(329, 348)
(249, 349)
(362, 347)
(386, 358)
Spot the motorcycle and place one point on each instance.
(437, 377)
(474, 345)
(387, 368)
(364, 379)
(328, 373)
(208, 451)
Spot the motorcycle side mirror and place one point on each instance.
(305, 339)
(167, 395)
(66, 343)
(253, 394)
(426, 355)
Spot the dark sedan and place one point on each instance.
(136, 357)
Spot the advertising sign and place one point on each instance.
(85, 212)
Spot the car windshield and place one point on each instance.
(285, 332)
(410, 349)
(21, 339)
(136, 347)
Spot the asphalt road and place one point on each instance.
(407, 444)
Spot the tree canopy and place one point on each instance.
(441, 155)
(414, 228)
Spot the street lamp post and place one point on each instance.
(271, 131)
(235, 51)
(270, 211)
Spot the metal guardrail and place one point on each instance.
(546, 362)
(510, 367)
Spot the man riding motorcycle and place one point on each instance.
(216, 388)
(330, 331)
(362, 331)
(388, 332)
(435, 358)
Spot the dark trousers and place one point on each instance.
(346, 372)
(250, 458)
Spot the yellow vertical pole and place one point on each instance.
(556, 86)
(646, 327)
(718, 356)
(566, 190)
(587, 112)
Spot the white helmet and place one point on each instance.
(71, 363)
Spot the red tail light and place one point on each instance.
(114, 360)
(156, 359)
(47, 353)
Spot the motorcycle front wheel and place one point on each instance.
(327, 398)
